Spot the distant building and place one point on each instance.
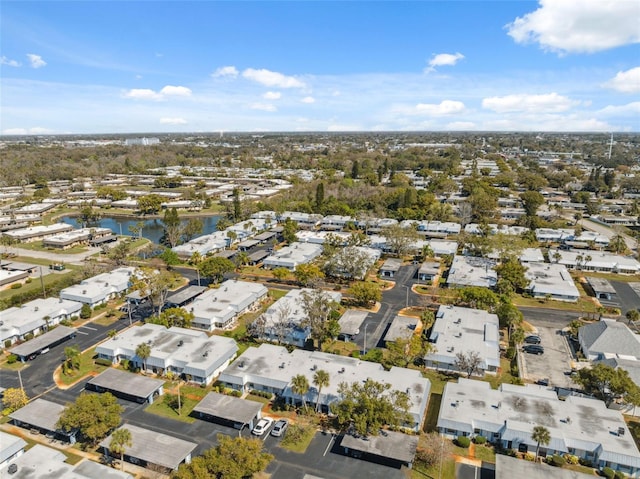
(101, 288)
(472, 271)
(293, 255)
(141, 141)
(551, 281)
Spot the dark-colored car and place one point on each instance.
(532, 339)
(533, 349)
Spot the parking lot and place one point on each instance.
(554, 364)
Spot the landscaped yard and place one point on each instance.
(38, 246)
(583, 304)
(190, 397)
(87, 366)
(298, 437)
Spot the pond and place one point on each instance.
(153, 228)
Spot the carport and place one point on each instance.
(37, 345)
(129, 386)
(184, 296)
(149, 448)
(228, 410)
(393, 448)
(350, 323)
(602, 289)
(41, 416)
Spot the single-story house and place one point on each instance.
(228, 410)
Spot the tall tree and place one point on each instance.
(317, 306)
(193, 228)
(300, 386)
(170, 317)
(172, 227)
(308, 274)
(120, 440)
(143, 351)
(370, 405)
(149, 204)
(321, 379)
(237, 205)
(365, 294)
(94, 415)
(542, 436)
(399, 239)
(13, 399)
(289, 230)
(215, 268)
(319, 195)
(511, 275)
(232, 458)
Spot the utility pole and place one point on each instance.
(365, 337)
(44, 293)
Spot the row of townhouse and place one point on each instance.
(579, 426)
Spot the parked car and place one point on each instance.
(533, 349)
(532, 339)
(263, 426)
(279, 427)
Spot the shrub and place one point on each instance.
(16, 286)
(12, 358)
(102, 362)
(7, 343)
(126, 364)
(463, 441)
(511, 353)
(556, 460)
(608, 472)
(262, 394)
(571, 459)
(85, 312)
(619, 475)
(480, 439)
(28, 336)
(529, 456)
(28, 280)
(585, 462)
(235, 393)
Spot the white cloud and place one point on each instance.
(272, 79)
(36, 130)
(549, 103)
(228, 71)
(443, 59)
(578, 26)
(272, 95)
(36, 60)
(344, 127)
(138, 77)
(149, 94)
(630, 109)
(171, 90)
(445, 107)
(626, 82)
(173, 121)
(143, 94)
(308, 99)
(11, 63)
(263, 107)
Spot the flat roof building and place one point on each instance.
(101, 288)
(580, 426)
(218, 308)
(608, 338)
(351, 322)
(229, 410)
(122, 384)
(403, 328)
(29, 349)
(472, 271)
(187, 353)
(35, 233)
(271, 368)
(464, 330)
(43, 416)
(293, 255)
(551, 280)
(602, 288)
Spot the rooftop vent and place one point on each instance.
(13, 468)
(206, 353)
(35, 308)
(457, 321)
(84, 291)
(315, 366)
(281, 365)
(241, 364)
(341, 370)
(620, 431)
(180, 343)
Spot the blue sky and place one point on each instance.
(122, 67)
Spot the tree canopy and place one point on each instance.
(215, 268)
(232, 458)
(369, 406)
(93, 415)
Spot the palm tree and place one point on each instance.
(143, 351)
(320, 380)
(242, 259)
(300, 386)
(632, 315)
(542, 436)
(120, 440)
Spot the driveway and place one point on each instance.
(628, 295)
(553, 364)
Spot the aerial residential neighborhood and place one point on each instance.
(320, 240)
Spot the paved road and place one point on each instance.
(627, 297)
(554, 363)
(548, 317)
(56, 257)
(608, 232)
(393, 300)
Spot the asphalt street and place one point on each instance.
(549, 317)
(627, 298)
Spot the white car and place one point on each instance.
(263, 426)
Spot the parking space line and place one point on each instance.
(82, 332)
(87, 327)
(329, 445)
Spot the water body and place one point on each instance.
(152, 230)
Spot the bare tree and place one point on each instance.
(282, 321)
(468, 362)
(464, 213)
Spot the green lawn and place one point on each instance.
(298, 437)
(485, 453)
(86, 366)
(434, 472)
(160, 408)
(35, 284)
(504, 377)
(251, 397)
(610, 276)
(433, 410)
(583, 304)
(276, 294)
(38, 246)
(438, 380)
